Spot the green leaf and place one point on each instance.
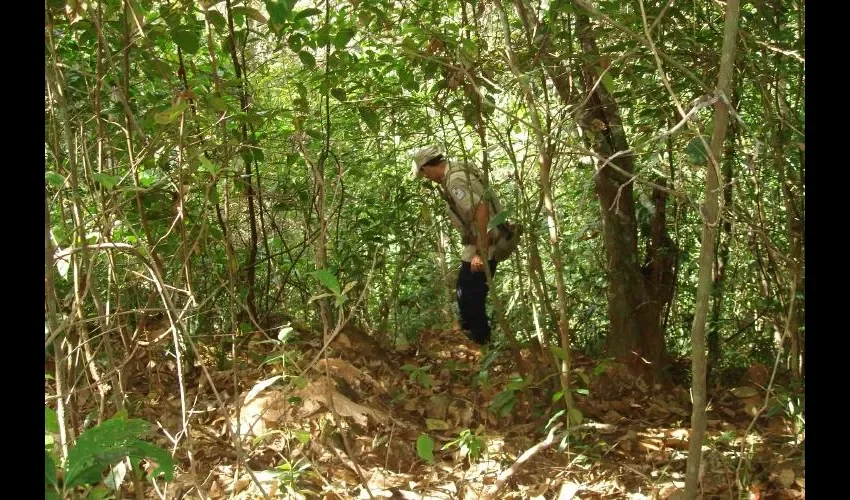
(608, 82)
(216, 19)
(49, 470)
(121, 414)
(302, 436)
(558, 352)
(500, 218)
(328, 279)
(370, 118)
(51, 422)
(306, 13)
(99, 492)
(339, 94)
(105, 180)
(55, 179)
(250, 12)
(575, 416)
(343, 36)
(170, 114)
(165, 463)
(696, 150)
(425, 448)
(584, 392)
(102, 446)
(295, 42)
(186, 39)
(307, 59)
(557, 396)
(217, 103)
(147, 178)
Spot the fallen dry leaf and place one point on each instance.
(434, 424)
(568, 491)
(786, 477)
(321, 392)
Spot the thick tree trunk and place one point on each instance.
(636, 297)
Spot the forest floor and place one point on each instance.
(349, 427)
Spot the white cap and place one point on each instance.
(422, 157)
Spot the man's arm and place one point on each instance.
(482, 216)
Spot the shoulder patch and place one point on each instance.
(458, 193)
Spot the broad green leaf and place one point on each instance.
(121, 414)
(109, 442)
(99, 492)
(57, 180)
(370, 118)
(339, 94)
(144, 449)
(49, 470)
(557, 396)
(469, 48)
(186, 39)
(147, 178)
(307, 59)
(51, 422)
(170, 114)
(216, 19)
(425, 448)
(584, 392)
(217, 103)
(343, 36)
(608, 82)
(696, 150)
(295, 42)
(278, 11)
(306, 13)
(207, 166)
(558, 352)
(105, 180)
(250, 12)
(328, 279)
(500, 218)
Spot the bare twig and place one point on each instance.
(505, 475)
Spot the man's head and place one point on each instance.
(429, 162)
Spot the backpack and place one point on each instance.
(509, 231)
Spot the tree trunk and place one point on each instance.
(250, 265)
(722, 260)
(709, 211)
(635, 301)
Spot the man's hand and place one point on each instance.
(477, 264)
